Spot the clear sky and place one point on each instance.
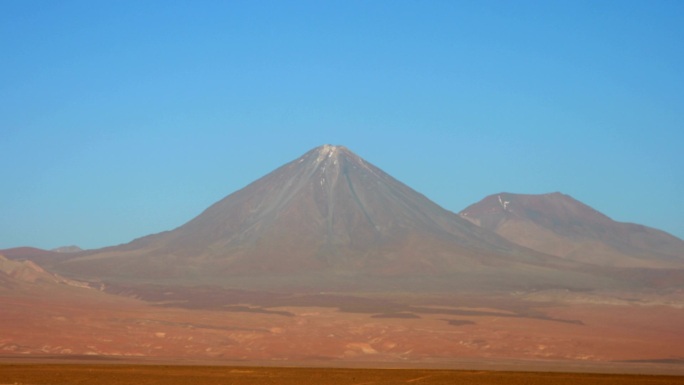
(119, 119)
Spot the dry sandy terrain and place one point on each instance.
(428, 332)
(207, 375)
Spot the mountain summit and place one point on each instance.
(326, 214)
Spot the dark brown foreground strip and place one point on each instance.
(57, 374)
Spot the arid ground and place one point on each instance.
(28, 374)
(610, 333)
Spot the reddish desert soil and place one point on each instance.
(443, 332)
(207, 375)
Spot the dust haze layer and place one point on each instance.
(329, 219)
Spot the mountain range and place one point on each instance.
(331, 220)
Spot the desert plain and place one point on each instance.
(541, 331)
(180, 375)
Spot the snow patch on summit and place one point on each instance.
(327, 151)
(503, 203)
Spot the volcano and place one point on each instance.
(559, 225)
(328, 216)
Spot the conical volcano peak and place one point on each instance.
(328, 210)
(323, 217)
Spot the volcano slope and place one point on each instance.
(329, 220)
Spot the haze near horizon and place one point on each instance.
(120, 120)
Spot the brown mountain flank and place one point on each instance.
(559, 225)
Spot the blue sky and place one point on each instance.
(119, 119)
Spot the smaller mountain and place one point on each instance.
(67, 249)
(559, 225)
(13, 273)
(25, 253)
(40, 256)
